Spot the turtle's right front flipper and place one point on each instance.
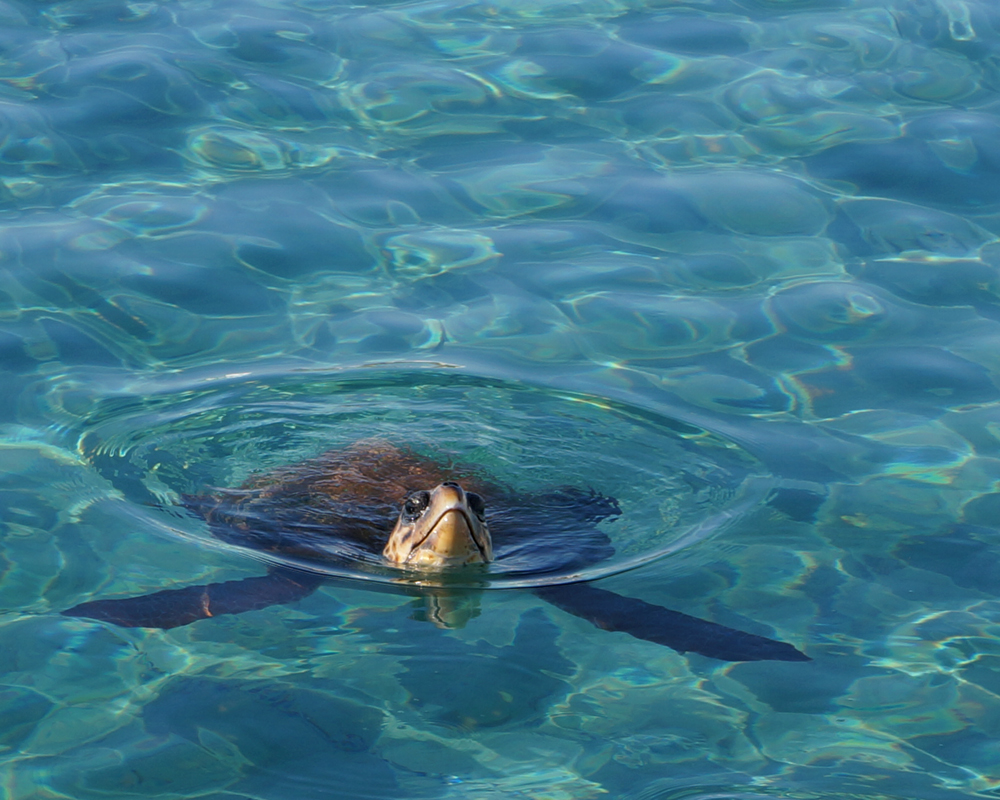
(175, 607)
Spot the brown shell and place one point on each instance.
(355, 493)
(367, 472)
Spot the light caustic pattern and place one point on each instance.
(773, 221)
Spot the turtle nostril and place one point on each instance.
(451, 483)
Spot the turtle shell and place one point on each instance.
(339, 508)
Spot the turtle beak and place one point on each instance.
(440, 528)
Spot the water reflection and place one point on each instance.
(775, 222)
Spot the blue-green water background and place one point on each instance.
(773, 220)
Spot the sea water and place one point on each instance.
(732, 262)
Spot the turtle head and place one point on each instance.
(443, 527)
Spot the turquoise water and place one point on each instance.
(732, 262)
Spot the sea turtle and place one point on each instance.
(382, 508)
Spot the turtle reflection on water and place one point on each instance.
(449, 521)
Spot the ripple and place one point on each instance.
(677, 484)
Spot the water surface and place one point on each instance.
(733, 262)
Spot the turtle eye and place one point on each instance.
(477, 504)
(415, 505)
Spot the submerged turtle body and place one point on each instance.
(378, 507)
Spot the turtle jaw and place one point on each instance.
(449, 542)
(445, 533)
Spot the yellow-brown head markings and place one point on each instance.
(440, 527)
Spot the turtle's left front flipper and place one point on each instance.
(175, 607)
(614, 612)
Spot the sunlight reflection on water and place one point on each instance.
(747, 232)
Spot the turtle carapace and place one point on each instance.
(376, 506)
